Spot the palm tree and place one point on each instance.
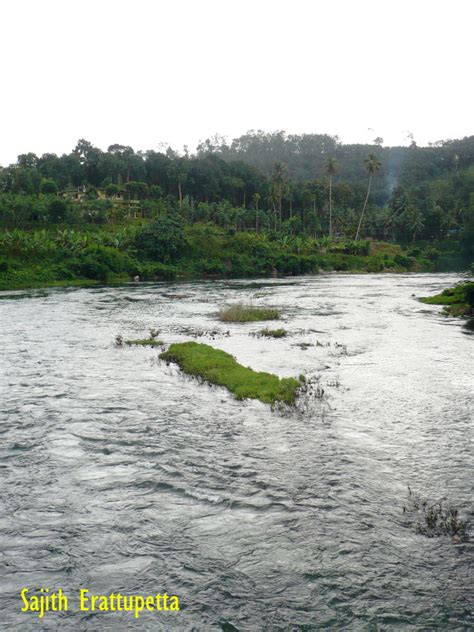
(256, 199)
(331, 168)
(415, 221)
(278, 182)
(390, 223)
(372, 165)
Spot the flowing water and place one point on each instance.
(119, 474)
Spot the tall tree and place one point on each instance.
(125, 154)
(278, 183)
(372, 165)
(331, 169)
(177, 172)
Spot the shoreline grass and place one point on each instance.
(241, 313)
(220, 368)
(456, 301)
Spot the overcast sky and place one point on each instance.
(143, 72)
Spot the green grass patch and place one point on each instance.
(218, 367)
(145, 342)
(457, 300)
(273, 333)
(241, 313)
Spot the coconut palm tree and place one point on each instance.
(331, 168)
(278, 178)
(414, 221)
(372, 165)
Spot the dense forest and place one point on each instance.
(290, 191)
(259, 181)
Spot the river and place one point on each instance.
(117, 473)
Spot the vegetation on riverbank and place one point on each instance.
(220, 368)
(266, 207)
(308, 184)
(456, 301)
(165, 250)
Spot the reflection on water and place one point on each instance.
(118, 473)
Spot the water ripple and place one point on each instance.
(118, 473)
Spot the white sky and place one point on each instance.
(140, 72)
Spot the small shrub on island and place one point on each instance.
(145, 342)
(241, 313)
(142, 342)
(272, 333)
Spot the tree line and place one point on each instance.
(307, 184)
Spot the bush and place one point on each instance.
(457, 300)
(468, 291)
(111, 190)
(351, 247)
(212, 267)
(247, 313)
(204, 242)
(164, 240)
(339, 264)
(157, 271)
(251, 244)
(99, 262)
(93, 211)
(91, 268)
(114, 260)
(432, 253)
(155, 192)
(63, 273)
(403, 261)
(426, 264)
(293, 264)
(58, 210)
(48, 187)
(272, 333)
(374, 265)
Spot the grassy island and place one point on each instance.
(145, 342)
(247, 314)
(456, 301)
(218, 367)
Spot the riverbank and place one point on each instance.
(111, 255)
(456, 301)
